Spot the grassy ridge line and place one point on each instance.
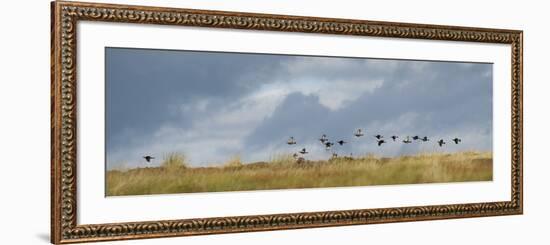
(284, 173)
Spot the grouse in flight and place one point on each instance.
(303, 151)
(148, 158)
(441, 142)
(323, 138)
(394, 137)
(425, 138)
(380, 142)
(359, 133)
(291, 141)
(379, 136)
(407, 141)
(341, 142)
(328, 145)
(457, 140)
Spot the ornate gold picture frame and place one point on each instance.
(64, 108)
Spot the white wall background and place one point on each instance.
(25, 108)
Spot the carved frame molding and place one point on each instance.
(66, 15)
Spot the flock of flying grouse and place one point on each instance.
(359, 133)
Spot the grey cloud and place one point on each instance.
(298, 115)
(447, 99)
(145, 88)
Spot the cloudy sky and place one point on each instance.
(212, 106)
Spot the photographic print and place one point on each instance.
(148, 104)
(199, 121)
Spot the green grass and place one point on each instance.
(282, 172)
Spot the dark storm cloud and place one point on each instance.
(145, 88)
(447, 100)
(215, 105)
(299, 115)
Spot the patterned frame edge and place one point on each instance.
(64, 17)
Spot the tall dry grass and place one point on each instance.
(174, 161)
(234, 162)
(282, 172)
